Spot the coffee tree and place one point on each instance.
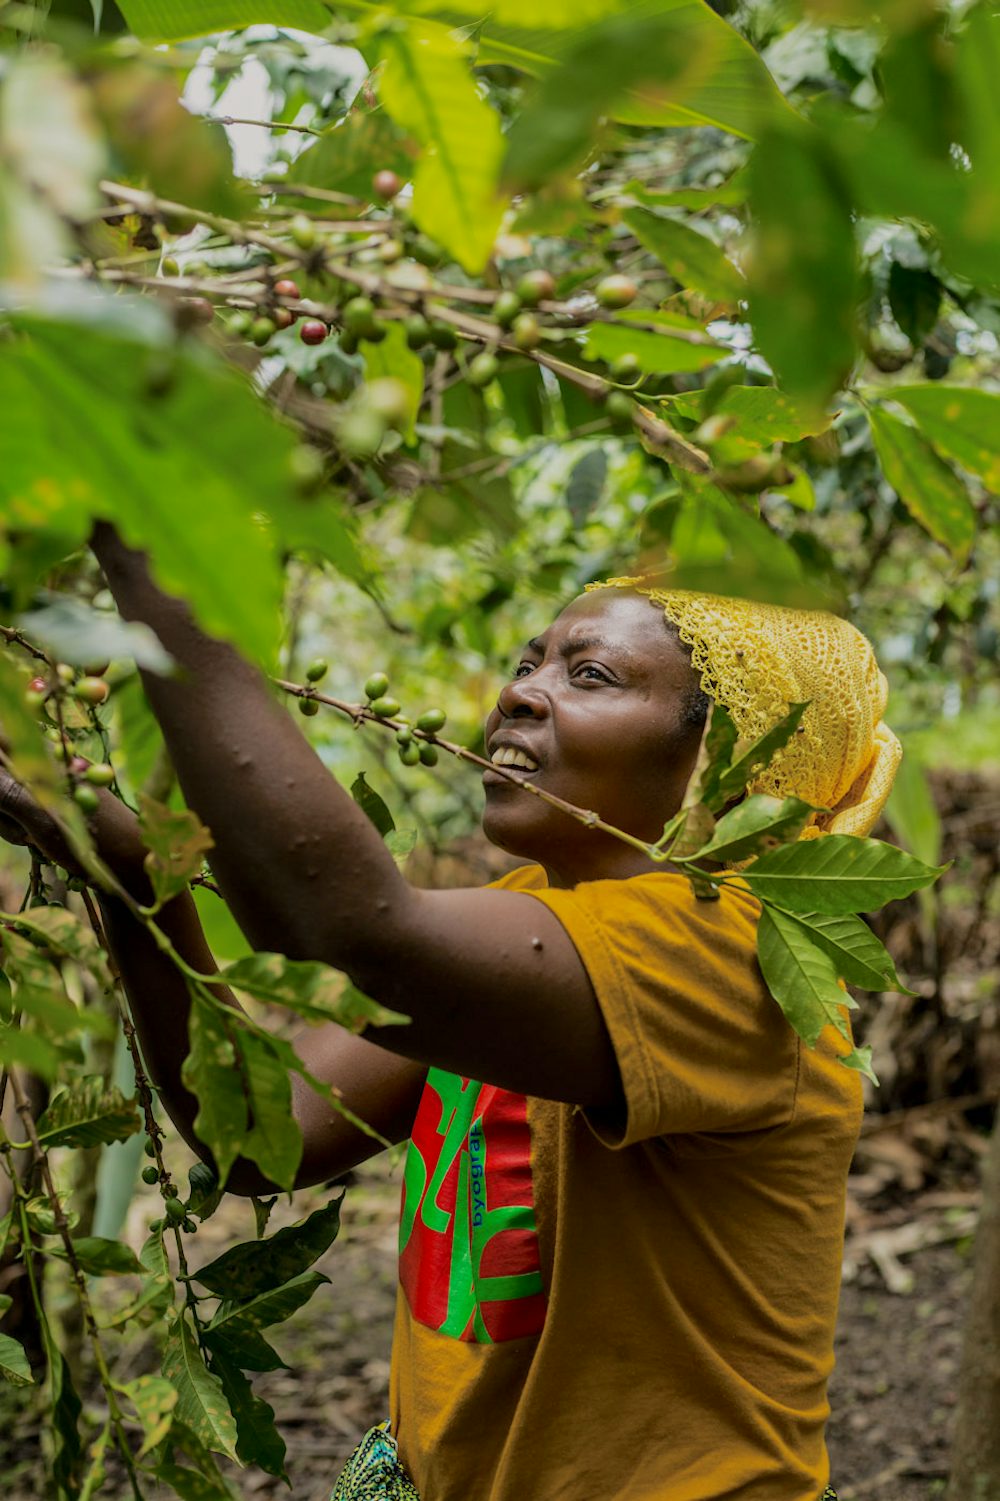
(506, 302)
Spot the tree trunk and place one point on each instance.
(975, 1470)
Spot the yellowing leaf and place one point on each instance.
(177, 843)
(429, 91)
(962, 422)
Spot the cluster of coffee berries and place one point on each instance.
(414, 740)
(175, 1211)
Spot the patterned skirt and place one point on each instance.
(374, 1472)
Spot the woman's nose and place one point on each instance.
(521, 698)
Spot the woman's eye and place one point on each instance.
(592, 673)
(522, 669)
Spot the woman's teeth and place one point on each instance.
(508, 756)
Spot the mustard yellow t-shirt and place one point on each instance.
(639, 1309)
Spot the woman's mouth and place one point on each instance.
(510, 758)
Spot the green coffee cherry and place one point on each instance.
(418, 331)
(384, 708)
(443, 336)
(533, 286)
(348, 342)
(169, 266)
(626, 367)
(527, 331)
(239, 323)
(359, 316)
(482, 370)
(91, 690)
(86, 798)
(428, 754)
(189, 1226)
(261, 330)
(620, 408)
(150, 1174)
(432, 720)
(616, 291)
(506, 308)
(409, 754)
(426, 251)
(101, 774)
(155, 1225)
(149, 1147)
(308, 707)
(317, 670)
(303, 231)
(377, 685)
(404, 736)
(174, 1209)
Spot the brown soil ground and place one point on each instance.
(893, 1394)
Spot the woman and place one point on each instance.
(620, 1252)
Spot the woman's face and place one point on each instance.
(597, 705)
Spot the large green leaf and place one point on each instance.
(393, 359)
(258, 1266)
(346, 157)
(312, 990)
(758, 824)
(803, 981)
(802, 271)
(274, 1140)
(100, 1257)
(66, 936)
(961, 421)
(716, 546)
(211, 1074)
(750, 418)
(428, 90)
(87, 1114)
(169, 20)
(691, 257)
(750, 760)
(931, 491)
(858, 956)
(271, 1307)
(677, 344)
(836, 874)
(201, 1402)
(258, 1441)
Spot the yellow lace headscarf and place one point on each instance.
(756, 659)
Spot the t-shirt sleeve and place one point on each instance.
(701, 1045)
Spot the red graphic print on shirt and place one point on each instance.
(468, 1244)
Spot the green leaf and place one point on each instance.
(750, 760)
(154, 1399)
(88, 1114)
(372, 805)
(836, 874)
(177, 843)
(801, 978)
(66, 936)
(266, 1309)
(912, 811)
(394, 360)
(585, 485)
(720, 739)
(429, 91)
(678, 344)
(14, 1368)
(717, 547)
(99, 1257)
(274, 1140)
(758, 824)
(314, 991)
(53, 157)
(690, 257)
(258, 1441)
(79, 634)
(171, 20)
(556, 127)
(914, 299)
(962, 422)
(756, 417)
(246, 1348)
(201, 1402)
(210, 1072)
(347, 157)
(802, 273)
(931, 491)
(858, 956)
(192, 1485)
(65, 1408)
(261, 1265)
(727, 86)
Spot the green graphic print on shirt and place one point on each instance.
(468, 1244)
